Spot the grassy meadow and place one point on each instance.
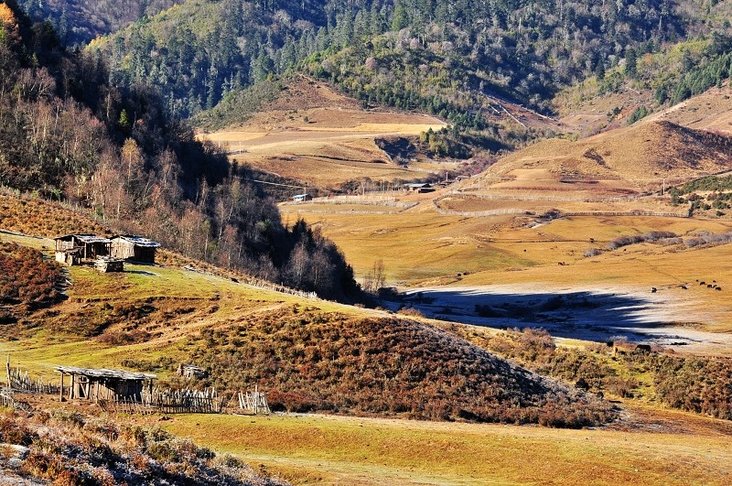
(344, 450)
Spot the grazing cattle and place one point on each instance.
(654, 290)
(624, 347)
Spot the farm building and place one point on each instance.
(301, 197)
(192, 371)
(102, 384)
(135, 248)
(74, 249)
(419, 187)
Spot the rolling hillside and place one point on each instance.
(311, 355)
(308, 132)
(553, 218)
(623, 161)
(491, 71)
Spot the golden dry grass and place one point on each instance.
(421, 247)
(711, 110)
(313, 134)
(619, 162)
(340, 450)
(185, 303)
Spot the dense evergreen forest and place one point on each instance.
(78, 21)
(66, 134)
(406, 53)
(452, 59)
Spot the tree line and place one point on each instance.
(67, 134)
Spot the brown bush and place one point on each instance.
(311, 360)
(72, 449)
(26, 278)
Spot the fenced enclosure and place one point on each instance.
(149, 400)
(253, 402)
(17, 379)
(168, 401)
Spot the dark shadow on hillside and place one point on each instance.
(141, 272)
(578, 315)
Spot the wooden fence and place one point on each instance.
(168, 401)
(7, 399)
(253, 402)
(17, 379)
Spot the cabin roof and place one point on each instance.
(104, 373)
(138, 241)
(85, 238)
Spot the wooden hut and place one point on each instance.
(74, 249)
(134, 248)
(191, 371)
(103, 384)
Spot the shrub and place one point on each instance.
(26, 278)
(317, 361)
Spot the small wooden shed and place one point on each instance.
(191, 371)
(134, 248)
(103, 384)
(82, 246)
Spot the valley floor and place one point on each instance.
(646, 446)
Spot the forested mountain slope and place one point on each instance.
(461, 61)
(456, 60)
(78, 21)
(66, 134)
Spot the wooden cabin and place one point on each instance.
(191, 371)
(134, 248)
(102, 384)
(75, 249)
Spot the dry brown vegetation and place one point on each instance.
(690, 383)
(311, 133)
(616, 163)
(311, 360)
(68, 448)
(27, 282)
(36, 217)
(307, 358)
